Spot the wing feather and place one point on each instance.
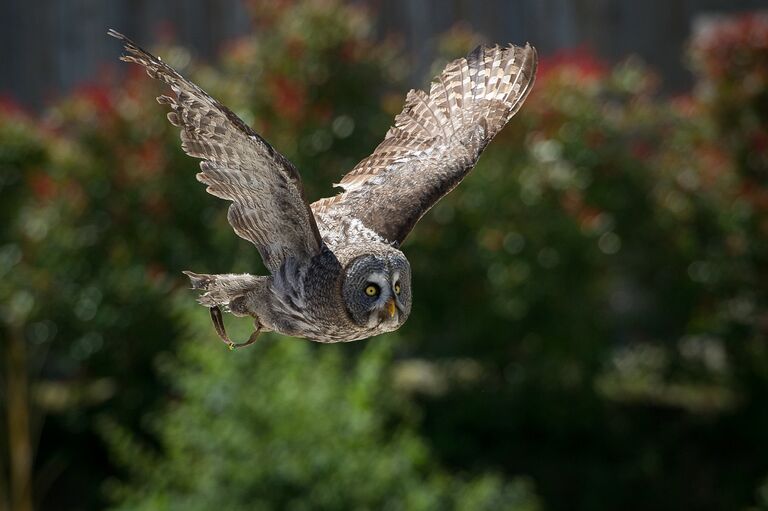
(268, 205)
(435, 141)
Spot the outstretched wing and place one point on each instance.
(268, 205)
(435, 141)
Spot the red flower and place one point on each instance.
(296, 47)
(755, 194)
(155, 272)
(97, 95)
(11, 107)
(350, 52)
(579, 61)
(44, 189)
(759, 142)
(685, 105)
(587, 216)
(290, 97)
(323, 112)
(716, 44)
(157, 205)
(714, 163)
(594, 138)
(641, 149)
(151, 158)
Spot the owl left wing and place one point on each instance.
(268, 205)
(435, 142)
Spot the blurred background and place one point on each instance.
(590, 328)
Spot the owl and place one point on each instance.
(336, 271)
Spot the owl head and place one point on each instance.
(377, 289)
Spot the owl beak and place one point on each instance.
(391, 307)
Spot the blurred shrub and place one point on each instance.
(289, 426)
(606, 265)
(762, 496)
(731, 57)
(597, 319)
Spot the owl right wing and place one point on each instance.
(435, 141)
(268, 205)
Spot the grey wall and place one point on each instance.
(50, 46)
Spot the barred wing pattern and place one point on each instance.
(435, 142)
(268, 205)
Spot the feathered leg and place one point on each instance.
(218, 324)
(222, 290)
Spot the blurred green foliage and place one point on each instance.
(290, 426)
(590, 306)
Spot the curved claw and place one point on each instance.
(218, 324)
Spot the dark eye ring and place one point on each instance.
(372, 290)
(397, 288)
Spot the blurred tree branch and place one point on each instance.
(3, 486)
(19, 445)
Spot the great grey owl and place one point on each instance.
(336, 269)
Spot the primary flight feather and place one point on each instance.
(336, 270)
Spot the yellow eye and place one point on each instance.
(372, 290)
(397, 288)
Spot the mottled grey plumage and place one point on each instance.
(337, 273)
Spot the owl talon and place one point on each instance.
(218, 324)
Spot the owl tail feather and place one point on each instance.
(220, 290)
